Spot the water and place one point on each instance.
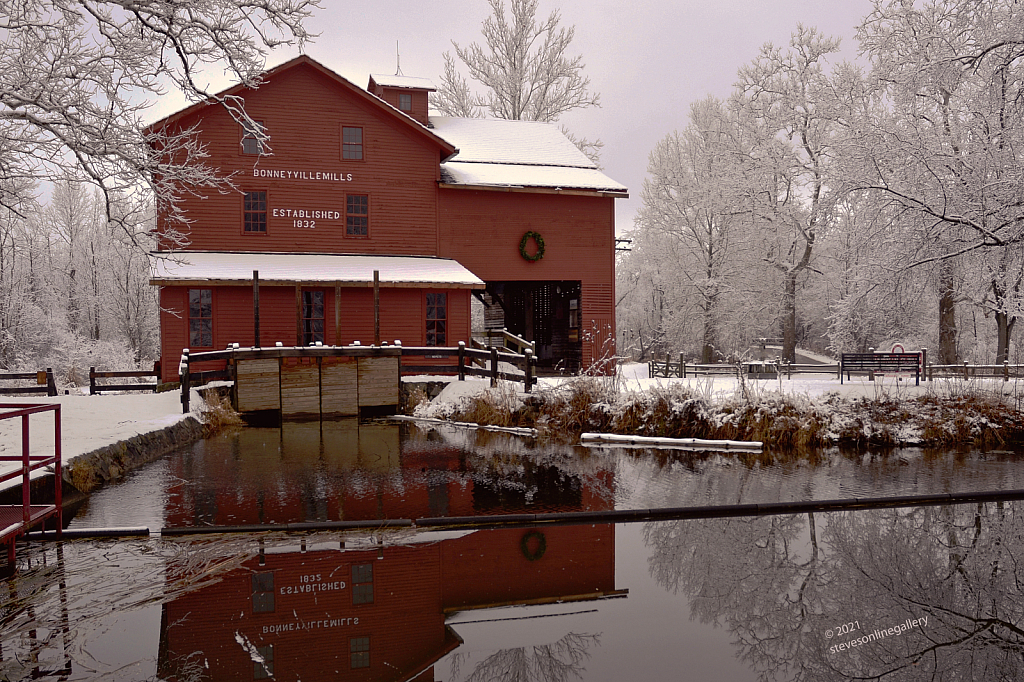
(719, 599)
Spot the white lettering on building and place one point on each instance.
(309, 625)
(316, 176)
(309, 214)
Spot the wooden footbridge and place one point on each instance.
(313, 382)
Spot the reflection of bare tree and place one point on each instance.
(956, 566)
(556, 662)
(758, 575)
(786, 598)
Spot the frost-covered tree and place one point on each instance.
(77, 77)
(688, 201)
(524, 68)
(787, 103)
(947, 150)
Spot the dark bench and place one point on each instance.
(880, 363)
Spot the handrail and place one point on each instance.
(505, 335)
(30, 463)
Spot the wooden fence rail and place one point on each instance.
(463, 361)
(96, 388)
(1005, 371)
(45, 383)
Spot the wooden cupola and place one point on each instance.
(405, 93)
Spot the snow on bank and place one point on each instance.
(814, 407)
(89, 423)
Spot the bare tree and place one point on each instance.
(947, 149)
(687, 199)
(77, 77)
(788, 104)
(524, 69)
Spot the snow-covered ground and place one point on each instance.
(87, 423)
(633, 378)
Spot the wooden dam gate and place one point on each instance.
(314, 382)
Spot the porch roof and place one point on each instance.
(349, 270)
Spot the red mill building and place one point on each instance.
(357, 181)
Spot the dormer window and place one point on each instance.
(251, 143)
(405, 102)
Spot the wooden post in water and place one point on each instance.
(376, 307)
(529, 369)
(183, 375)
(256, 308)
(462, 361)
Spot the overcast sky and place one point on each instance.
(648, 60)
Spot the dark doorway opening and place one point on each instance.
(547, 313)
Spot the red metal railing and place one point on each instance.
(10, 525)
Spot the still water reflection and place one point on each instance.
(926, 593)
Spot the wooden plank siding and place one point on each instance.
(304, 114)
(378, 381)
(300, 388)
(579, 243)
(403, 318)
(258, 385)
(339, 391)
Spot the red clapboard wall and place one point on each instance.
(304, 108)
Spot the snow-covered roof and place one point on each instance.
(182, 267)
(489, 140)
(499, 153)
(517, 175)
(391, 81)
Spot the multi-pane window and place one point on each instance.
(405, 102)
(359, 648)
(264, 669)
(357, 215)
(251, 143)
(437, 319)
(351, 143)
(362, 584)
(200, 318)
(312, 317)
(254, 212)
(263, 592)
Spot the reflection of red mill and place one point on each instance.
(344, 450)
(379, 613)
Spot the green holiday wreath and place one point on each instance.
(535, 236)
(533, 553)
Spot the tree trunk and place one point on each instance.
(789, 319)
(1004, 332)
(947, 316)
(707, 354)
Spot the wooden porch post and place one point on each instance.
(298, 314)
(337, 314)
(376, 308)
(256, 308)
